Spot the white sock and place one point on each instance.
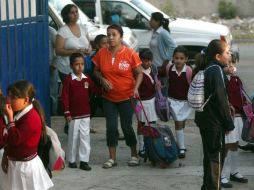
(141, 142)
(180, 138)
(223, 172)
(233, 160)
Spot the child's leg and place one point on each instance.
(84, 147)
(179, 126)
(140, 136)
(73, 133)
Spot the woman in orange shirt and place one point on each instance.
(119, 70)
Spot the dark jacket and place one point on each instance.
(216, 114)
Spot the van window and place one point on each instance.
(123, 14)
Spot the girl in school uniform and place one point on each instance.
(179, 76)
(236, 99)
(26, 127)
(147, 95)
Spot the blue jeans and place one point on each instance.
(125, 110)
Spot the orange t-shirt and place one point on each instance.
(118, 71)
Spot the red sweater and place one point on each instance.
(76, 95)
(235, 97)
(24, 137)
(178, 85)
(3, 137)
(147, 88)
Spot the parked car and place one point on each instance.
(55, 21)
(135, 14)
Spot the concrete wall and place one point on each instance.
(199, 8)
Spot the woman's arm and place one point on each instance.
(139, 77)
(104, 82)
(60, 50)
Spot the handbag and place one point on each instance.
(161, 102)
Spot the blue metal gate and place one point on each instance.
(24, 46)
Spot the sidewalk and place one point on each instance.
(182, 175)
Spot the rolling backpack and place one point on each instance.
(159, 143)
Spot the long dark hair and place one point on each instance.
(209, 54)
(23, 89)
(157, 16)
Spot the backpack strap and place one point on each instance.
(188, 73)
(169, 67)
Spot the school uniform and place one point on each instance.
(22, 142)
(236, 99)
(147, 96)
(75, 95)
(177, 93)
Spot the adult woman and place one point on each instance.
(116, 67)
(162, 45)
(70, 38)
(215, 120)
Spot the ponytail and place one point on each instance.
(40, 111)
(158, 16)
(165, 24)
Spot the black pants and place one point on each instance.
(214, 154)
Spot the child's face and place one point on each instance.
(78, 66)
(146, 63)
(225, 57)
(179, 59)
(17, 104)
(103, 43)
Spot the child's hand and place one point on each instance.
(68, 119)
(9, 112)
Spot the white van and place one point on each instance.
(55, 21)
(135, 14)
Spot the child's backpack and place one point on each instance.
(159, 143)
(162, 149)
(188, 71)
(89, 65)
(196, 93)
(51, 153)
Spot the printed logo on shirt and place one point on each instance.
(124, 65)
(86, 84)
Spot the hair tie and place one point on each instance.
(204, 51)
(33, 99)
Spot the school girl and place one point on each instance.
(147, 95)
(179, 76)
(26, 127)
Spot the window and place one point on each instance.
(123, 14)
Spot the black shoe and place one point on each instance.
(84, 166)
(72, 165)
(233, 177)
(181, 153)
(226, 185)
(142, 153)
(247, 147)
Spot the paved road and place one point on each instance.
(145, 177)
(183, 174)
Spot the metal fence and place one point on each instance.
(24, 46)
